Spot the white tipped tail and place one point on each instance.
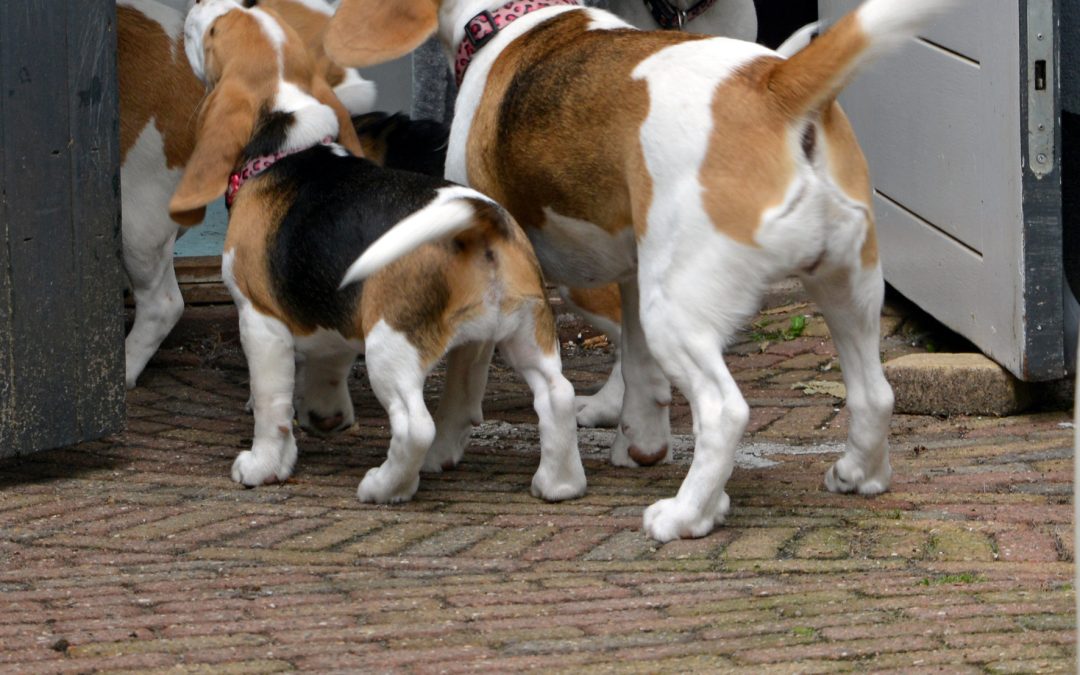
(890, 22)
(447, 216)
(815, 75)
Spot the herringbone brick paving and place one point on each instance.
(137, 553)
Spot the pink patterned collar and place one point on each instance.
(256, 166)
(486, 25)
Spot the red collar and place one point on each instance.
(486, 25)
(256, 166)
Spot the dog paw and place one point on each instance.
(251, 469)
(625, 453)
(447, 450)
(847, 477)
(328, 425)
(567, 484)
(597, 411)
(668, 519)
(378, 488)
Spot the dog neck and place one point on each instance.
(297, 122)
(479, 28)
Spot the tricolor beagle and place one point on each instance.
(448, 272)
(159, 100)
(693, 171)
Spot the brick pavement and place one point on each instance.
(137, 553)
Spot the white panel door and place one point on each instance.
(960, 128)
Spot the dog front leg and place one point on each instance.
(644, 434)
(268, 346)
(325, 406)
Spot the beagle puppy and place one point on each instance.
(692, 171)
(444, 271)
(159, 100)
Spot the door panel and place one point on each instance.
(967, 229)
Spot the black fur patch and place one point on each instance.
(339, 207)
(269, 135)
(411, 145)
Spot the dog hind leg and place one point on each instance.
(460, 404)
(850, 300)
(158, 303)
(397, 377)
(644, 434)
(560, 474)
(325, 405)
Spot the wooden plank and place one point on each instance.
(58, 134)
(95, 132)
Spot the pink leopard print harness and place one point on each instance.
(256, 166)
(486, 25)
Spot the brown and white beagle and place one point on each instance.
(445, 271)
(159, 102)
(692, 171)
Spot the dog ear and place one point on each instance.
(366, 32)
(224, 130)
(321, 90)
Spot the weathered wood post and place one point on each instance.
(61, 313)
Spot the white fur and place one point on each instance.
(798, 40)
(887, 22)
(268, 346)
(446, 216)
(356, 94)
(170, 20)
(199, 19)
(146, 186)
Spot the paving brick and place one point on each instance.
(139, 550)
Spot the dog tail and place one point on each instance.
(454, 210)
(814, 76)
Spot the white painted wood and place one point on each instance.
(940, 122)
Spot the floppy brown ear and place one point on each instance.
(346, 131)
(224, 130)
(366, 32)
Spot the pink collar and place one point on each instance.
(486, 25)
(256, 166)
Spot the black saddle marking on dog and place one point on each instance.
(337, 207)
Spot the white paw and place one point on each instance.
(668, 519)
(597, 411)
(846, 476)
(447, 450)
(376, 488)
(624, 453)
(253, 469)
(552, 486)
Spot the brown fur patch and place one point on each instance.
(560, 117)
(156, 83)
(311, 25)
(448, 282)
(605, 301)
(748, 165)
